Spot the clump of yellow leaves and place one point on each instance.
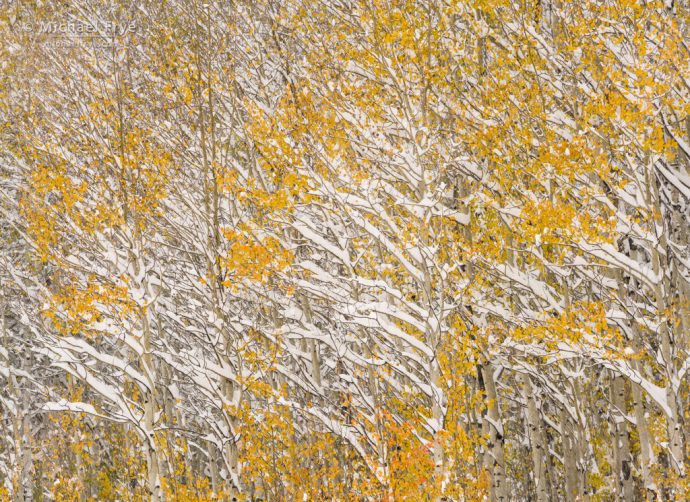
(584, 324)
(252, 257)
(76, 307)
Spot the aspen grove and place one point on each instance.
(344, 250)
